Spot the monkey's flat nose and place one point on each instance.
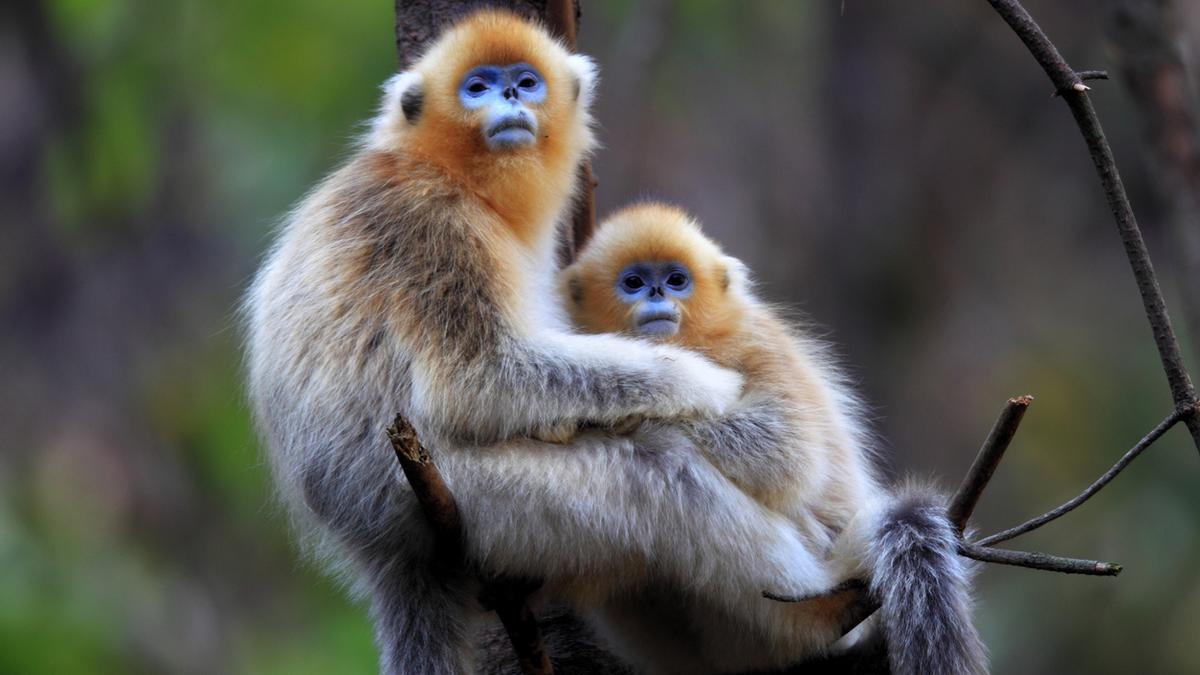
(510, 92)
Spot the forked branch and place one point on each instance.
(1069, 84)
(1065, 81)
(1092, 489)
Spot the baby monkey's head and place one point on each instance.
(649, 271)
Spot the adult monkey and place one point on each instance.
(417, 279)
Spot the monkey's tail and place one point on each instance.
(924, 589)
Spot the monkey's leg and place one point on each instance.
(420, 619)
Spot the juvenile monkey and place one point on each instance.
(418, 279)
(792, 443)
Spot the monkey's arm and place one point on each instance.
(756, 444)
(526, 385)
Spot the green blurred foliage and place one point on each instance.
(901, 175)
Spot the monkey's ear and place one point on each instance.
(586, 75)
(574, 285)
(734, 275)
(403, 100)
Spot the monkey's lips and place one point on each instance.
(511, 131)
(658, 324)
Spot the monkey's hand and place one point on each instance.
(698, 386)
(560, 433)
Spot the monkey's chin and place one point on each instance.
(658, 328)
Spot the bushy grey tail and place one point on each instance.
(924, 588)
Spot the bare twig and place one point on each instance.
(1084, 75)
(1092, 489)
(434, 497)
(1038, 561)
(977, 478)
(854, 594)
(1065, 79)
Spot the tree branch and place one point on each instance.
(1147, 45)
(1092, 489)
(990, 454)
(1065, 80)
(436, 500)
(1069, 84)
(1038, 561)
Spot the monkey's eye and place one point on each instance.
(527, 81)
(632, 282)
(476, 87)
(677, 280)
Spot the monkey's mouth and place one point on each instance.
(658, 324)
(512, 132)
(512, 123)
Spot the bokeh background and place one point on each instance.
(897, 171)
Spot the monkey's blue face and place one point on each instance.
(655, 289)
(503, 96)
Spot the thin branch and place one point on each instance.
(1038, 561)
(858, 603)
(1092, 489)
(1065, 79)
(1148, 44)
(1084, 75)
(990, 454)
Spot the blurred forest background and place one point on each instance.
(897, 171)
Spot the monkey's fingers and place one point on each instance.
(627, 426)
(559, 433)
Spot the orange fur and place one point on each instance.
(520, 185)
(655, 232)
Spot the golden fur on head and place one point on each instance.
(516, 182)
(655, 232)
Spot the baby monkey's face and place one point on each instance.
(656, 292)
